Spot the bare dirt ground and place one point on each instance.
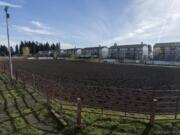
(115, 87)
(93, 74)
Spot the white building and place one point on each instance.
(95, 52)
(131, 52)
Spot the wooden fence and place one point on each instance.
(148, 102)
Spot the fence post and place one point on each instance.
(78, 119)
(37, 83)
(153, 111)
(16, 75)
(34, 82)
(177, 107)
(125, 104)
(24, 81)
(1, 68)
(57, 87)
(4, 68)
(47, 96)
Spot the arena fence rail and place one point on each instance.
(150, 104)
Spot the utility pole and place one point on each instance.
(8, 39)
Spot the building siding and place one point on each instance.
(167, 51)
(132, 52)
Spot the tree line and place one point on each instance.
(34, 48)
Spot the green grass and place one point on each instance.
(33, 117)
(23, 116)
(96, 122)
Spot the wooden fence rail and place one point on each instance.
(151, 102)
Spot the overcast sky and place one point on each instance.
(92, 22)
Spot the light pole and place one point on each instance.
(9, 48)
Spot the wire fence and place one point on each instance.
(150, 104)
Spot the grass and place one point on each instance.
(20, 114)
(96, 122)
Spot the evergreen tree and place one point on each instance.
(21, 47)
(33, 46)
(16, 50)
(53, 47)
(12, 51)
(47, 46)
(58, 47)
(3, 50)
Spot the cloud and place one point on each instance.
(149, 21)
(32, 30)
(143, 29)
(2, 3)
(37, 28)
(39, 25)
(153, 21)
(36, 23)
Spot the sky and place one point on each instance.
(86, 23)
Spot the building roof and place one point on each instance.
(129, 46)
(167, 44)
(98, 47)
(71, 49)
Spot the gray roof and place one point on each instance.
(98, 47)
(129, 46)
(87, 48)
(71, 49)
(167, 44)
